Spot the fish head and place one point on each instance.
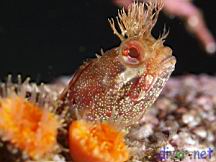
(146, 65)
(145, 61)
(125, 81)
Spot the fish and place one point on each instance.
(123, 82)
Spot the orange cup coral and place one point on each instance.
(28, 127)
(96, 142)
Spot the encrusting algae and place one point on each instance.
(110, 93)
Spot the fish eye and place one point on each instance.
(131, 52)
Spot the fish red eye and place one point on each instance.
(133, 52)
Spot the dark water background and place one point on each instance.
(47, 39)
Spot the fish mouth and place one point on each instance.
(169, 59)
(167, 62)
(167, 66)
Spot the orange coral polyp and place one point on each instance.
(96, 142)
(27, 126)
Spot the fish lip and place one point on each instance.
(169, 59)
(168, 62)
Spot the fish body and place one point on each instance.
(123, 82)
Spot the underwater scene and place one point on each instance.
(108, 81)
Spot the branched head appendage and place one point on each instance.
(138, 20)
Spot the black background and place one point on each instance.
(47, 39)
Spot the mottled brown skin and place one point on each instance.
(123, 82)
(97, 89)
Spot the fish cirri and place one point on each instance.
(123, 82)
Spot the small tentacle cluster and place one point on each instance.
(138, 20)
(28, 121)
